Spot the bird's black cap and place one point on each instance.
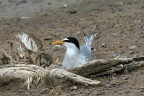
(72, 40)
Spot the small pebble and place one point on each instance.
(103, 45)
(141, 87)
(73, 11)
(132, 47)
(131, 52)
(126, 77)
(74, 88)
(23, 17)
(120, 3)
(114, 54)
(65, 5)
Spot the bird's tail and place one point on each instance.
(88, 40)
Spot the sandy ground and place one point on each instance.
(120, 28)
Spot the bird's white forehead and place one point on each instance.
(65, 39)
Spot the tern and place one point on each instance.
(76, 55)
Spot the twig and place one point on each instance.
(120, 68)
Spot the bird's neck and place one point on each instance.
(72, 51)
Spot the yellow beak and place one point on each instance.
(60, 42)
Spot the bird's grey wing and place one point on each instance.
(86, 52)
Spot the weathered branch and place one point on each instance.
(65, 75)
(32, 75)
(100, 65)
(12, 61)
(121, 68)
(28, 74)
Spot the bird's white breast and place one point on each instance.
(75, 57)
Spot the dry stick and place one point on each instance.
(84, 34)
(102, 65)
(68, 76)
(98, 66)
(53, 35)
(120, 69)
(9, 56)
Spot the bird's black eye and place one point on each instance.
(66, 40)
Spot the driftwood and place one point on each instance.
(103, 65)
(99, 66)
(26, 48)
(27, 74)
(121, 68)
(34, 76)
